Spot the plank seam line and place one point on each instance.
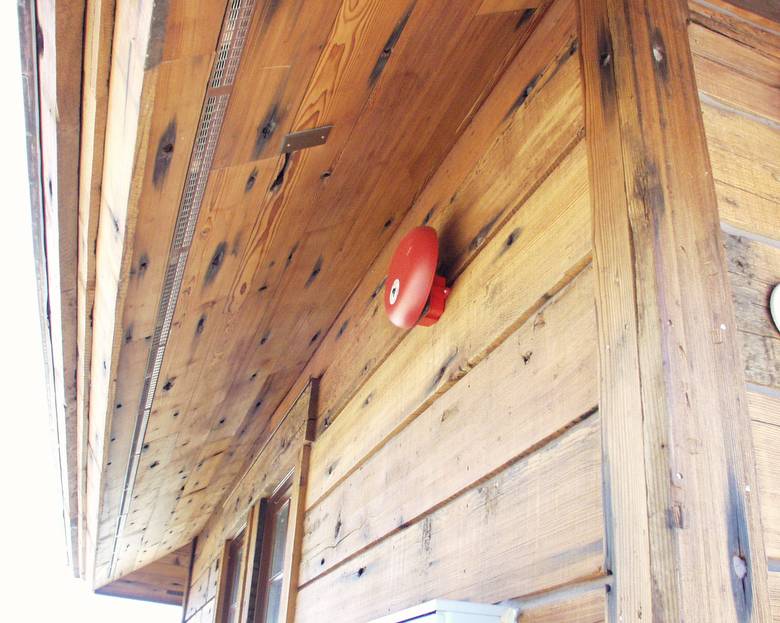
(771, 392)
(732, 15)
(205, 603)
(730, 229)
(720, 104)
(566, 592)
(525, 454)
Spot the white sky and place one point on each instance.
(35, 582)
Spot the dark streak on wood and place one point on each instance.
(387, 50)
(739, 548)
(524, 95)
(162, 160)
(279, 179)
(510, 240)
(250, 181)
(291, 255)
(265, 131)
(659, 55)
(441, 372)
(607, 69)
(482, 234)
(314, 272)
(215, 263)
(525, 18)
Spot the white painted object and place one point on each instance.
(774, 306)
(446, 611)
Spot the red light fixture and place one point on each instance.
(414, 293)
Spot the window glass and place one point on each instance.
(280, 536)
(274, 597)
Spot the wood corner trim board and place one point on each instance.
(51, 54)
(684, 534)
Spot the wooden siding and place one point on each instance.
(739, 86)
(507, 395)
(591, 431)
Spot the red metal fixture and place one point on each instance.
(414, 293)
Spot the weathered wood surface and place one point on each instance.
(684, 533)
(163, 581)
(532, 387)
(765, 413)
(754, 269)
(98, 35)
(158, 71)
(540, 247)
(58, 32)
(744, 153)
(774, 595)
(277, 459)
(237, 346)
(590, 607)
(541, 125)
(535, 525)
(738, 24)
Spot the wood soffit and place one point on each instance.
(279, 238)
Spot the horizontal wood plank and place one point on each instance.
(774, 595)
(536, 525)
(590, 607)
(754, 269)
(765, 416)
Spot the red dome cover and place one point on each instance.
(410, 276)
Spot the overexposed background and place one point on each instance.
(35, 581)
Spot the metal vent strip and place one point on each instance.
(228, 55)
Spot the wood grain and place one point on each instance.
(98, 35)
(765, 413)
(253, 348)
(59, 32)
(541, 247)
(589, 607)
(542, 378)
(754, 269)
(163, 581)
(664, 282)
(535, 525)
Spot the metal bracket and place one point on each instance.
(305, 138)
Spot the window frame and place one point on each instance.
(226, 577)
(271, 505)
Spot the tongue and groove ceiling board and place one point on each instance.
(281, 239)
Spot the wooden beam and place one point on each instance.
(684, 536)
(98, 34)
(50, 34)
